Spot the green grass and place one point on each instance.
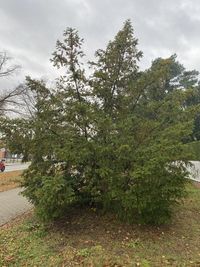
(87, 238)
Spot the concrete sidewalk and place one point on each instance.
(12, 204)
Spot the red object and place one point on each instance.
(2, 166)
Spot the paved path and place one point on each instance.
(12, 204)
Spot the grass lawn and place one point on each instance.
(10, 180)
(87, 238)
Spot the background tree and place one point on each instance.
(9, 99)
(5, 68)
(27, 135)
(17, 134)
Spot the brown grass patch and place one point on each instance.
(10, 180)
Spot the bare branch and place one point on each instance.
(9, 99)
(4, 69)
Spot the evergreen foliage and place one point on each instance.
(114, 139)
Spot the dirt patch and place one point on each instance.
(10, 180)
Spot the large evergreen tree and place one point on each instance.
(115, 139)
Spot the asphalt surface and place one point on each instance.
(12, 204)
(195, 171)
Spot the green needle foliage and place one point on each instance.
(115, 139)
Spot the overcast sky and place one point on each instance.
(30, 28)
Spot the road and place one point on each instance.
(195, 171)
(16, 166)
(12, 204)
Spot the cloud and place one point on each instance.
(29, 29)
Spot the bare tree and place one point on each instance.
(5, 68)
(9, 98)
(27, 101)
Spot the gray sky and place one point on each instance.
(29, 29)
